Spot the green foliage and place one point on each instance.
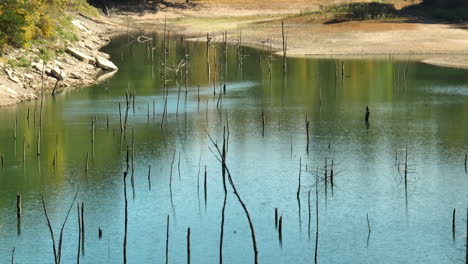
(20, 62)
(46, 54)
(23, 21)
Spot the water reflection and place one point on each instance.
(414, 107)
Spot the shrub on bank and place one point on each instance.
(22, 21)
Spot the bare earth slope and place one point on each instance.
(260, 21)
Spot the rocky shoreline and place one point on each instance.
(80, 64)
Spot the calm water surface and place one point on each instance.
(417, 108)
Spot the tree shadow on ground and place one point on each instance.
(384, 12)
(139, 6)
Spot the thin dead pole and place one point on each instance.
(263, 123)
(57, 251)
(332, 173)
(342, 74)
(167, 240)
(280, 231)
(178, 166)
(317, 222)
(82, 229)
(18, 205)
(27, 116)
(148, 113)
(466, 243)
(283, 36)
(149, 177)
(126, 219)
(326, 179)
(86, 165)
(188, 245)
(369, 229)
(223, 169)
(244, 207)
(38, 153)
(132, 178)
(299, 192)
(18, 213)
(307, 132)
(205, 187)
(50, 230)
(308, 206)
(453, 223)
(276, 218)
(79, 233)
(198, 182)
(56, 151)
(170, 175)
(466, 160)
(120, 118)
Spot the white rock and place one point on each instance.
(37, 66)
(75, 76)
(105, 64)
(80, 25)
(105, 55)
(12, 77)
(28, 76)
(12, 92)
(80, 55)
(58, 73)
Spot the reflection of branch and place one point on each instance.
(143, 39)
(57, 251)
(244, 207)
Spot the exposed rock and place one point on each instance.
(10, 91)
(37, 66)
(12, 77)
(58, 73)
(28, 76)
(59, 64)
(48, 71)
(80, 55)
(105, 64)
(104, 55)
(75, 76)
(80, 25)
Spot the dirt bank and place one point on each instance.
(78, 64)
(309, 35)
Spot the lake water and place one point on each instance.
(415, 108)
